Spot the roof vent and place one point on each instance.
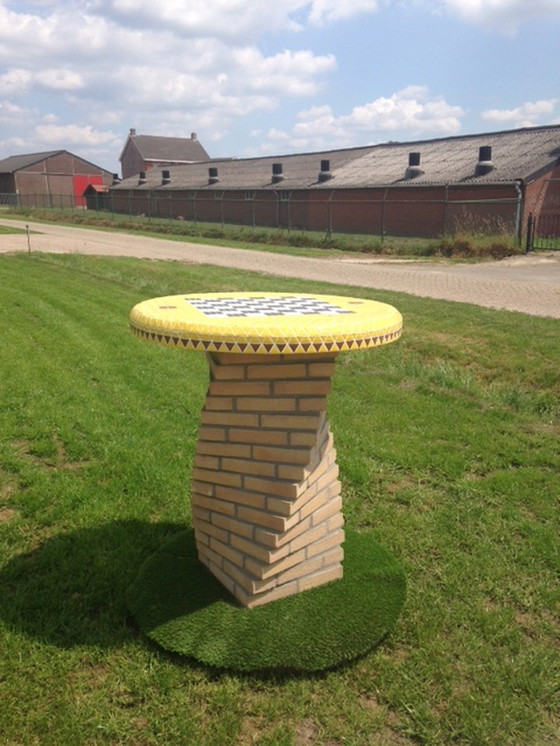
(116, 179)
(141, 178)
(277, 176)
(165, 177)
(484, 165)
(212, 175)
(325, 172)
(132, 131)
(413, 170)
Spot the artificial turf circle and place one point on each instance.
(184, 609)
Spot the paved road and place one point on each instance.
(529, 284)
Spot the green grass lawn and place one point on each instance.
(448, 447)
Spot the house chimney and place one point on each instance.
(277, 176)
(141, 178)
(413, 170)
(116, 179)
(325, 172)
(484, 165)
(132, 131)
(165, 177)
(212, 175)
(193, 135)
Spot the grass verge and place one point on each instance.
(448, 448)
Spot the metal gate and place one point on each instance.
(543, 232)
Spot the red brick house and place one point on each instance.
(54, 178)
(144, 152)
(477, 183)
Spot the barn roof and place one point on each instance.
(17, 162)
(156, 148)
(513, 154)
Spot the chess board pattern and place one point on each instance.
(264, 306)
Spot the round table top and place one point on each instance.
(266, 323)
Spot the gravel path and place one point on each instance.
(529, 283)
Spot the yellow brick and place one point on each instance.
(250, 585)
(242, 388)
(278, 539)
(227, 372)
(303, 439)
(321, 370)
(208, 554)
(227, 552)
(312, 404)
(268, 437)
(320, 578)
(229, 419)
(200, 514)
(262, 518)
(274, 595)
(281, 455)
(206, 462)
(231, 525)
(210, 503)
(212, 433)
(266, 404)
(232, 358)
(217, 477)
(314, 387)
(274, 372)
(319, 500)
(309, 537)
(233, 450)
(330, 508)
(291, 473)
(202, 488)
(302, 569)
(211, 531)
(332, 540)
(249, 548)
(268, 571)
(218, 403)
(240, 497)
(336, 521)
(247, 466)
(288, 490)
(291, 422)
(334, 557)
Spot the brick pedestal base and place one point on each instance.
(265, 494)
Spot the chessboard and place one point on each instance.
(264, 306)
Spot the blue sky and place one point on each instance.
(262, 77)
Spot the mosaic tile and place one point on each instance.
(266, 323)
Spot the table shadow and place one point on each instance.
(71, 589)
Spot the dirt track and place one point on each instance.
(529, 284)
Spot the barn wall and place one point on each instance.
(427, 211)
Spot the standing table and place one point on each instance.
(266, 503)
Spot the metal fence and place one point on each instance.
(543, 232)
(337, 211)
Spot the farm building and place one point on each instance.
(477, 183)
(144, 152)
(55, 178)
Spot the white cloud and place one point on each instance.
(13, 81)
(506, 15)
(410, 112)
(526, 115)
(71, 134)
(327, 11)
(59, 79)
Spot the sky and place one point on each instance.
(271, 77)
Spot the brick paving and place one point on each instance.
(528, 284)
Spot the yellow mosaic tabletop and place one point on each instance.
(266, 323)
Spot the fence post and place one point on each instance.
(530, 229)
